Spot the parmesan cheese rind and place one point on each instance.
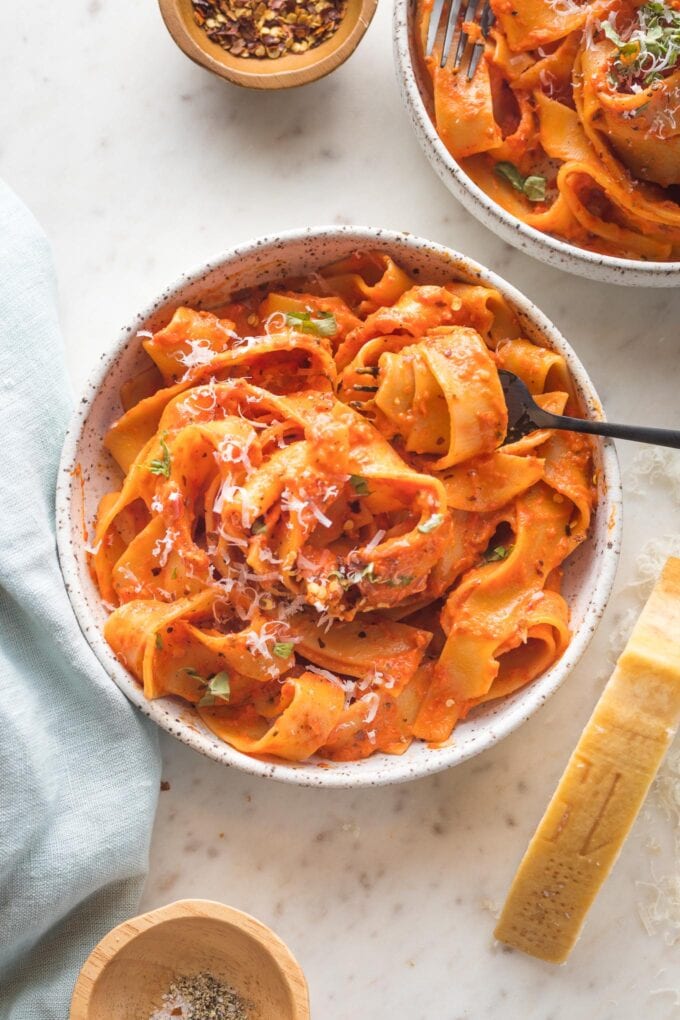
(603, 786)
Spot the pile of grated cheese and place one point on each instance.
(659, 899)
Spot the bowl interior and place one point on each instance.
(414, 86)
(134, 981)
(87, 473)
(270, 73)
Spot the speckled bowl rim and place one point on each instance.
(516, 708)
(605, 268)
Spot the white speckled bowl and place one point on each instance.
(87, 472)
(607, 268)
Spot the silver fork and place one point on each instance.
(448, 13)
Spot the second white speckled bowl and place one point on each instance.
(87, 472)
(544, 247)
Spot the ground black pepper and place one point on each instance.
(200, 997)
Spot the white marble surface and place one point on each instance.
(139, 164)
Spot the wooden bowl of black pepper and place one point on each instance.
(192, 958)
(268, 44)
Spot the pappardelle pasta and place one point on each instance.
(320, 540)
(572, 120)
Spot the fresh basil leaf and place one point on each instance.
(321, 324)
(499, 552)
(534, 188)
(217, 687)
(511, 173)
(220, 685)
(611, 33)
(283, 649)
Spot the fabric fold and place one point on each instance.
(79, 767)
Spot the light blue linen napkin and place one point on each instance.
(79, 766)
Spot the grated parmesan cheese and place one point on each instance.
(653, 465)
(164, 546)
(659, 907)
(650, 561)
(372, 701)
(376, 540)
(325, 673)
(200, 353)
(563, 8)
(321, 517)
(231, 451)
(667, 791)
(275, 323)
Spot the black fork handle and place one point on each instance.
(638, 433)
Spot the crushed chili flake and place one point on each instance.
(268, 28)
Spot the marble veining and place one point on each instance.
(139, 164)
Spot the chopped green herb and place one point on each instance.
(512, 174)
(321, 324)
(399, 582)
(359, 484)
(159, 642)
(366, 574)
(533, 186)
(283, 649)
(218, 686)
(433, 522)
(258, 527)
(651, 50)
(173, 575)
(162, 466)
(348, 577)
(190, 671)
(612, 34)
(500, 552)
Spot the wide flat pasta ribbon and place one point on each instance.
(309, 706)
(443, 396)
(283, 361)
(414, 313)
(367, 281)
(335, 564)
(489, 610)
(549, 129)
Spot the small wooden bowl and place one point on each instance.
(127, 974)
(263, 73)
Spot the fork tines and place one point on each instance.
(439, 17)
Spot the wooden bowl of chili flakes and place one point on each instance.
(268, 44)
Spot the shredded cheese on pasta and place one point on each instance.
(571, 121)
(318, 518)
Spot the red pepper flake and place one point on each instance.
(268, 28)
